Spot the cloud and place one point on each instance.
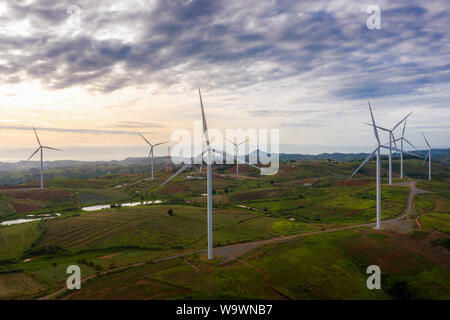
(228, 44)
(305, 63)
(138, 124)
(304, 124)
(71, 130)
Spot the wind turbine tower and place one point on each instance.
(392, 140)
(378, 146)
(152, 148)
(209, 150)
(41, 150)
(402, 141)
(429, 157)
(236, 147)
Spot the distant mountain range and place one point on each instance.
(439, 155)
(22, 172)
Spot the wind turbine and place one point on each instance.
(402, 140)
(391, 139)
(209, 150)
(370, 156)
(152, 147)
(41, 149)
(236, 146)
(429, 157)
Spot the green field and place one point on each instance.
(14, 240)
(152, 228)
(434, 208)
(328, 266)
(118, 247)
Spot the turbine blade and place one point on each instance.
(394, 141)
(51, 148)
(158, 144)
(145, 139)
(370, 156)
(225, 154)
(374, 125)
(231, 142)
(413, 154)
(205, 127)
(404, 127)
(410, 143)
(395, 127)
(243, 142)
(177, 173)
(39, 141)
(426, 141)
(428, 153)
(381, 128)
(390, 148)
(37, 150)
(187, 165)
(397, 150)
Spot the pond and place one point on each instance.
(19, 221)
(129, 204)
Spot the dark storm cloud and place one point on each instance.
(228, 44)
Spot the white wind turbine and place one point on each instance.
(41, 149)
(209, 150)
(402, 140)
(377, 152)
(392, 140)
(152, 147)
(236, 146)
(429, 157)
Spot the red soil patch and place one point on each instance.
(386, 253)
(15, 187)
(174, 189)
(289, 168)
(312, 181)
(22, 208)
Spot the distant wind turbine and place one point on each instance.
(377, 152)
(429, 157)
(391, 140)
(41, 149)
(236, 146)
(152, 147)
(402, 140)
(209, 150)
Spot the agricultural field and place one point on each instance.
(15, 240)
(152, 228)
(325, 266)
(143, 252)
(433, 208)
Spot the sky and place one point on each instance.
(91, 75)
